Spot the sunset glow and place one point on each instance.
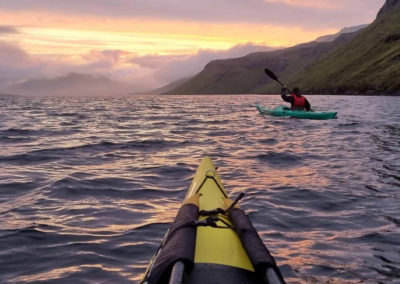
(124, 41)
(143, 36)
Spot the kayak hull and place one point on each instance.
(284, 111)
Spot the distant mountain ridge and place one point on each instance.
(342, 31)
(72, 84)
(363, 62)
(169, 87)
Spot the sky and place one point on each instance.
(149, 43)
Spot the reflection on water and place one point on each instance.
(88, 187)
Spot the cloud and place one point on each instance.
(307, 13)
(162, 70)
(306, 3)
(16, 64)
(19, 71)
(155, 61)
(10, 53)
(191, 65)
(102, 72)
(8, 30)
(139, 73)
(111, 56)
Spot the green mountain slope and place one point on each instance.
(246, 74)
(368, 63)
(363, 61)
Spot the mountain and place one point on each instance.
(387, 7)
(369, 63)
(72, 84)
(342, 31)
(246, 74)
(364, 61)
(169, 87)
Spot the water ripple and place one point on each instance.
(88, 187)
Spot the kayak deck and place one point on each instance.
(227, 247)
(225, 244)
(285, 111)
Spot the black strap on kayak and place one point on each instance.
(212, 216)
(211, 212)
(214, 179)
(211, 221)
(220, 210)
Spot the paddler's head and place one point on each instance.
(296, 91)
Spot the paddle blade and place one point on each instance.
(271, 74)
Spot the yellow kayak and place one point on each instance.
(211, 240)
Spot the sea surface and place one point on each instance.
(89, 186)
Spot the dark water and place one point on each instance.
(89, 186)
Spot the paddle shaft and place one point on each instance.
(275, 78)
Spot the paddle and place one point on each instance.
(275, 78)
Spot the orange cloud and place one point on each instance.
(45, 33)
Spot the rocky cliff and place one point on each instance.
(387, 7)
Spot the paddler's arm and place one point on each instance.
(308, 106)
(286, 98)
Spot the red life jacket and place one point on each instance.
(298, 102)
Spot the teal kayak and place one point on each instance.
(285, 111)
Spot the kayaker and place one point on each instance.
(297, 101)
